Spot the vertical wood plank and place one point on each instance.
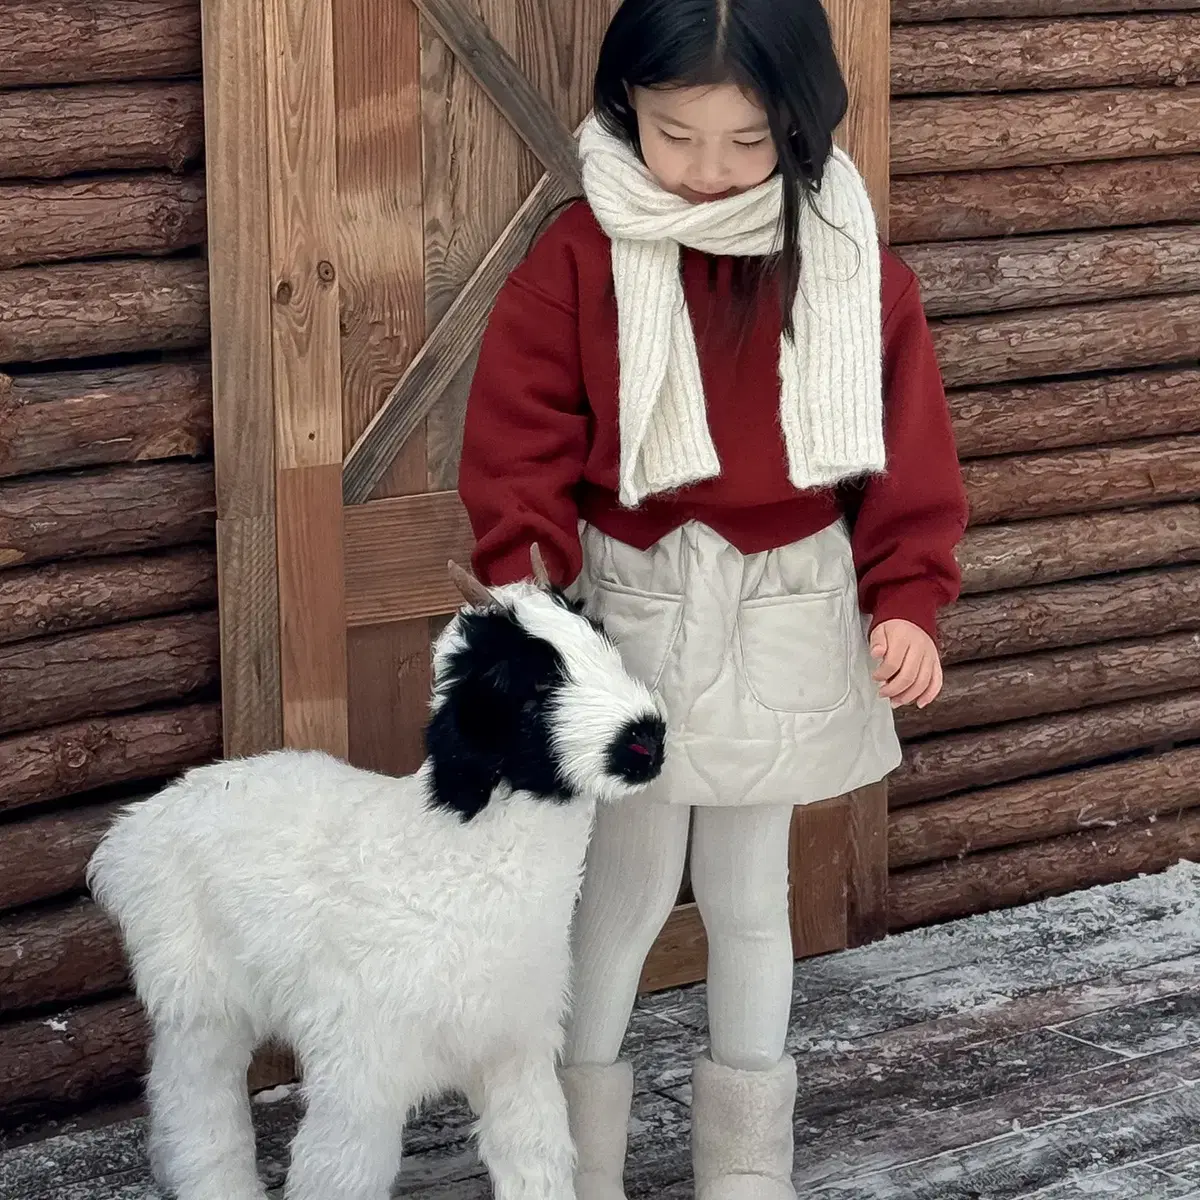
(235, 104)
(862, 34)
(380, 211)
(312, 607)
(308, 408)
(820, 855)
(867, 870)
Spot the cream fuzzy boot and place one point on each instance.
(742, 1141)
(598, 1103)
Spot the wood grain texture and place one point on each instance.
(377, 67)
(124, 306)
(679, 955)
(1109, 336)
(861, 32)
(302, 140)
(820, 869)
(508, 86)
(448, 346)
(1026, 417)
(1023, 55)
(243, 398)
(1024, 200)
(478, 171)
(46, 41)
(160, 660)
(1071, 547)
(1101, 797)
(45, 857)
(115, 510)
(1071, 614)
(1055, 269)
(79, 1057)
(64, 760)
(905, 11)
(1029, 129)
(1001, 878)
(151, 214)
(312, 621)
(48, 133)
(954, 762)
(58, 954)
(396, 553)
(301, 189)
(1016, 487)
(1052, 681)
(867, 873)
(94, 417)
(65, 596)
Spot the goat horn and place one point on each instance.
(540, 575)
(472, 590)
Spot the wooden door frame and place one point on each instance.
(304, 551)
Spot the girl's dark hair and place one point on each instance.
(780, 51)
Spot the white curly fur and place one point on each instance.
(402, 951)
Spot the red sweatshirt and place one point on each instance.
(541, 447)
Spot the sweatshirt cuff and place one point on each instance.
(914, 602)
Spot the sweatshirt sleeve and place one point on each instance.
(526, 435)
(907, 521)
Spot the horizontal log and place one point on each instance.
(65, 597)
(45, 42)
(1007, 689)
(65, 760)
(1039, 272)
(48, 133)
(1003, 878)
(71, 1060)
(1071, 614)
(1025, 200)
(99, 218)
(87, 418)
(954, 762)
(123, 306)
(1108, 336)
(1022, 417)
(1021, 54)
(1020, 486)
(904, 11)
(58, 955)
(158, 661)
(46, 857)
(1057, 548)
(1036, 809)
(112, 510)
(964, 133)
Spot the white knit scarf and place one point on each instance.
(830, 405)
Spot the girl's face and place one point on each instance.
(704, 143)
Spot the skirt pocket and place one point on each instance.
(644, 626)
(795, 651)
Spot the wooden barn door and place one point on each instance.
(376, 169)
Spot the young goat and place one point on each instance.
(406, 936)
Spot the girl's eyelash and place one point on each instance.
(750, 145)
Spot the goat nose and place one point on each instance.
(641, 749)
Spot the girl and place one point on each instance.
(712, 399)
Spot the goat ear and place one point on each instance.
(464, 741)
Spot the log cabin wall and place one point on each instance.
(1046, 190)
(109, 651)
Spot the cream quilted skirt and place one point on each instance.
(761, 663)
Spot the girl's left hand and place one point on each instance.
(909, 666)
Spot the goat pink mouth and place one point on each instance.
(639, 749)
